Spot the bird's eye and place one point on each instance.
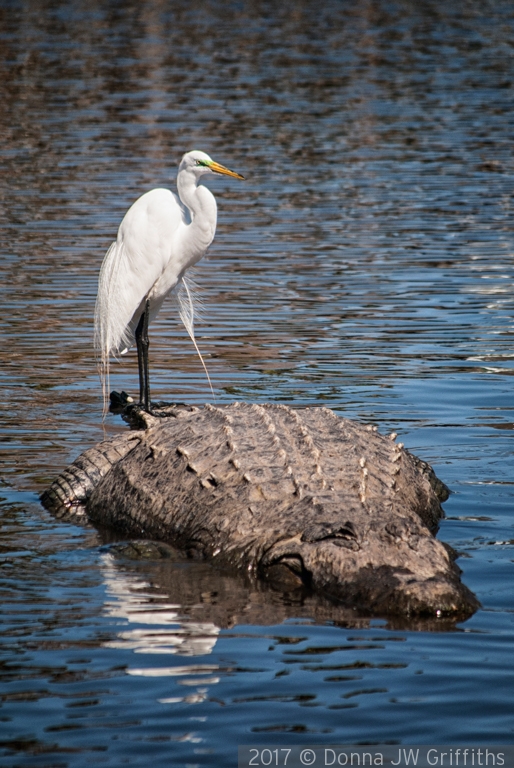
(201, 162)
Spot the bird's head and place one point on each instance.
(199, 163)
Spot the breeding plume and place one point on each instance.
(160, 237)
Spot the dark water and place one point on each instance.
(367, 264)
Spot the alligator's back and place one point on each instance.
(298, 493)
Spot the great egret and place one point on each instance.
(160, 237)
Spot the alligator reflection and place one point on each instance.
(175, 606)
(161, 625)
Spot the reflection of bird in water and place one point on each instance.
(160, 237)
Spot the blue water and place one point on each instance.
(366, 264)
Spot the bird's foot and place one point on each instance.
(119, 401)
(162, 410)
(135, 413)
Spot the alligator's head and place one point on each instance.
(388, 564)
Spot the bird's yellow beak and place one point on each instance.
(217, 168)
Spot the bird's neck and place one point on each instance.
(203, 211)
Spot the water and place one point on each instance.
(366, 264)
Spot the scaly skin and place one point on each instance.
(301, 496)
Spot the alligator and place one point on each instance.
(295, 496)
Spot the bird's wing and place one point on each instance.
(130, 268)
(132, 265)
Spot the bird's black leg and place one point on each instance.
(146, 345)
(139, 331)
(142, 343)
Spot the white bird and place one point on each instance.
(160, 237)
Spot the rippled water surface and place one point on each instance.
(366, 264)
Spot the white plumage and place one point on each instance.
(160, 237)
